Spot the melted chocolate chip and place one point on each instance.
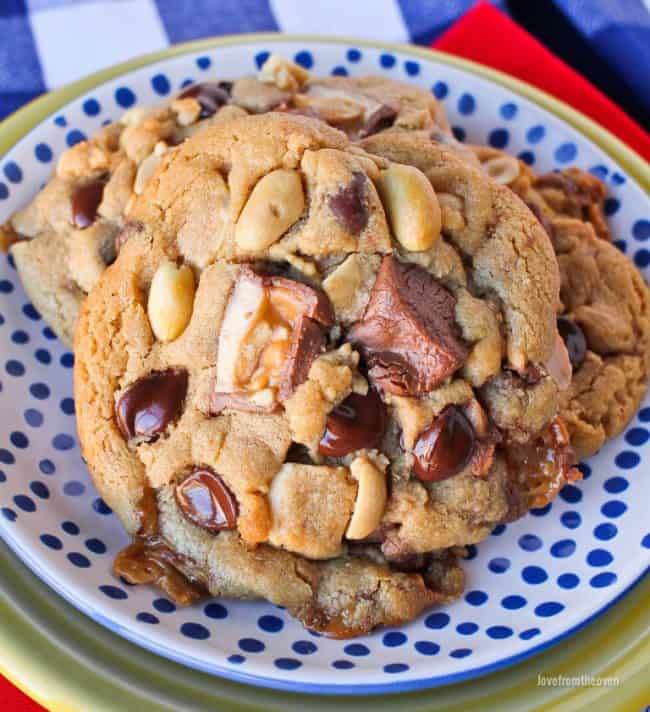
(408, 333)
(380, 119)
(358, 422)
(85, 202)
(348, 205)
(204, 500)
(574, 340)
(445, 447)
(210, 95)
(150, 404)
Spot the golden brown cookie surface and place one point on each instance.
(605, 303)
(301, 387)
(82, 208)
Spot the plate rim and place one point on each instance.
(17, 125)
(21, 122)
(116, 662)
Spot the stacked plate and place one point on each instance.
(532, 584)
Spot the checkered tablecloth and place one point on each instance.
(47, 43)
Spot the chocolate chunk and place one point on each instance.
(262, 302)
(348, 205)
(292, 298)
(150, 404)
(210, 95)
(358, 422)
(408, 334)
(307, 342)
(380, 119)
(574, 340)
(204, 500)
(445, 447)
(85, 202)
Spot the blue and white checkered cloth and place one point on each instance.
(47, 43)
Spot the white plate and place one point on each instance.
(530, 584)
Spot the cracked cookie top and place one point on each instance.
(300, 346)
(73, 222)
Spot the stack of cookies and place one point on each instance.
(322, 347)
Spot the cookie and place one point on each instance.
(605, 303)
(301, 381)
(81, 210)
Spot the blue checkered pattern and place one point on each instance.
(47, 43)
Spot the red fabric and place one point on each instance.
(488, 36)
(13, 700)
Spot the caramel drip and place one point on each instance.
(546, 464)
(148, 559)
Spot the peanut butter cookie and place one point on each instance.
(314, 373)
(605, 304)
(65, 238)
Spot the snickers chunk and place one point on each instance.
(408, 334)
(273, 329)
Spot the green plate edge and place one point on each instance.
(67, 662)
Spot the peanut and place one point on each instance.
(284, 74)
(451, 208)
(371, 498)
(502, 169)
(484, 360)
(187, 110)
(333, 109)
(171, 300)
(275, 203)
(411, 206)
(133, 116)
(147, 167)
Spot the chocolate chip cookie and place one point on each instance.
(66, 237)
(605, 303)
(313, 374)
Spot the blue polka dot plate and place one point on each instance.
(530, 585)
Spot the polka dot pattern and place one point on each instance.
(124, 97)
(524, 578)
(440, 90)
(566, 153)
(161, 84)
(91, 107)
(196, 631)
